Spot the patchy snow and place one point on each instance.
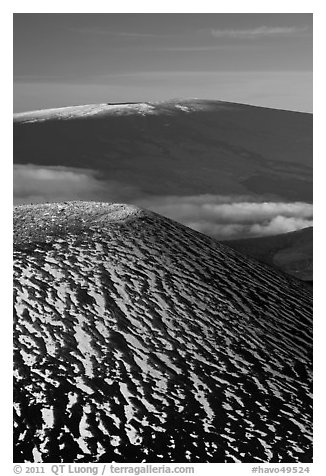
(47, 415)
(182, 108)
(84, 111)
(148, 330)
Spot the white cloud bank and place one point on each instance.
(35, 184)
(231, 217)
(224, 217)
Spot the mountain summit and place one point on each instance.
(140, 340)
(115, 109)
(181, 147)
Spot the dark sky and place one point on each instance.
(67, 59)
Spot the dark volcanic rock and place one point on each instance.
(138, 339)
(292, 252)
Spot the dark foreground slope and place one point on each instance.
(138, 339)
(291, 252)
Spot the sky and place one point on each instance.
(69, 59)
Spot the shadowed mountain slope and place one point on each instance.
(138, 339)
(291, 252)
(176, 147)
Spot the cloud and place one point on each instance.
(231, 217)
(259, 32)
(110, 32)
(190, 48)
(35, 184)
(221, 216)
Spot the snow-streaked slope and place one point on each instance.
(73, 112)
(138, 339)
(109, 109)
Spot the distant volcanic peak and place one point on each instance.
(119, 109)
(84, 111)
(38, 223)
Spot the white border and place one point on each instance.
(168, 6)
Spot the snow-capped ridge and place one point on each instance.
(84, 111)
(116, 109)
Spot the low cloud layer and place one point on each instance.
(232, 217)
(35, 184)
(221, 216)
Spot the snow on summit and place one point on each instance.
(72, 112)
(107, 109)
